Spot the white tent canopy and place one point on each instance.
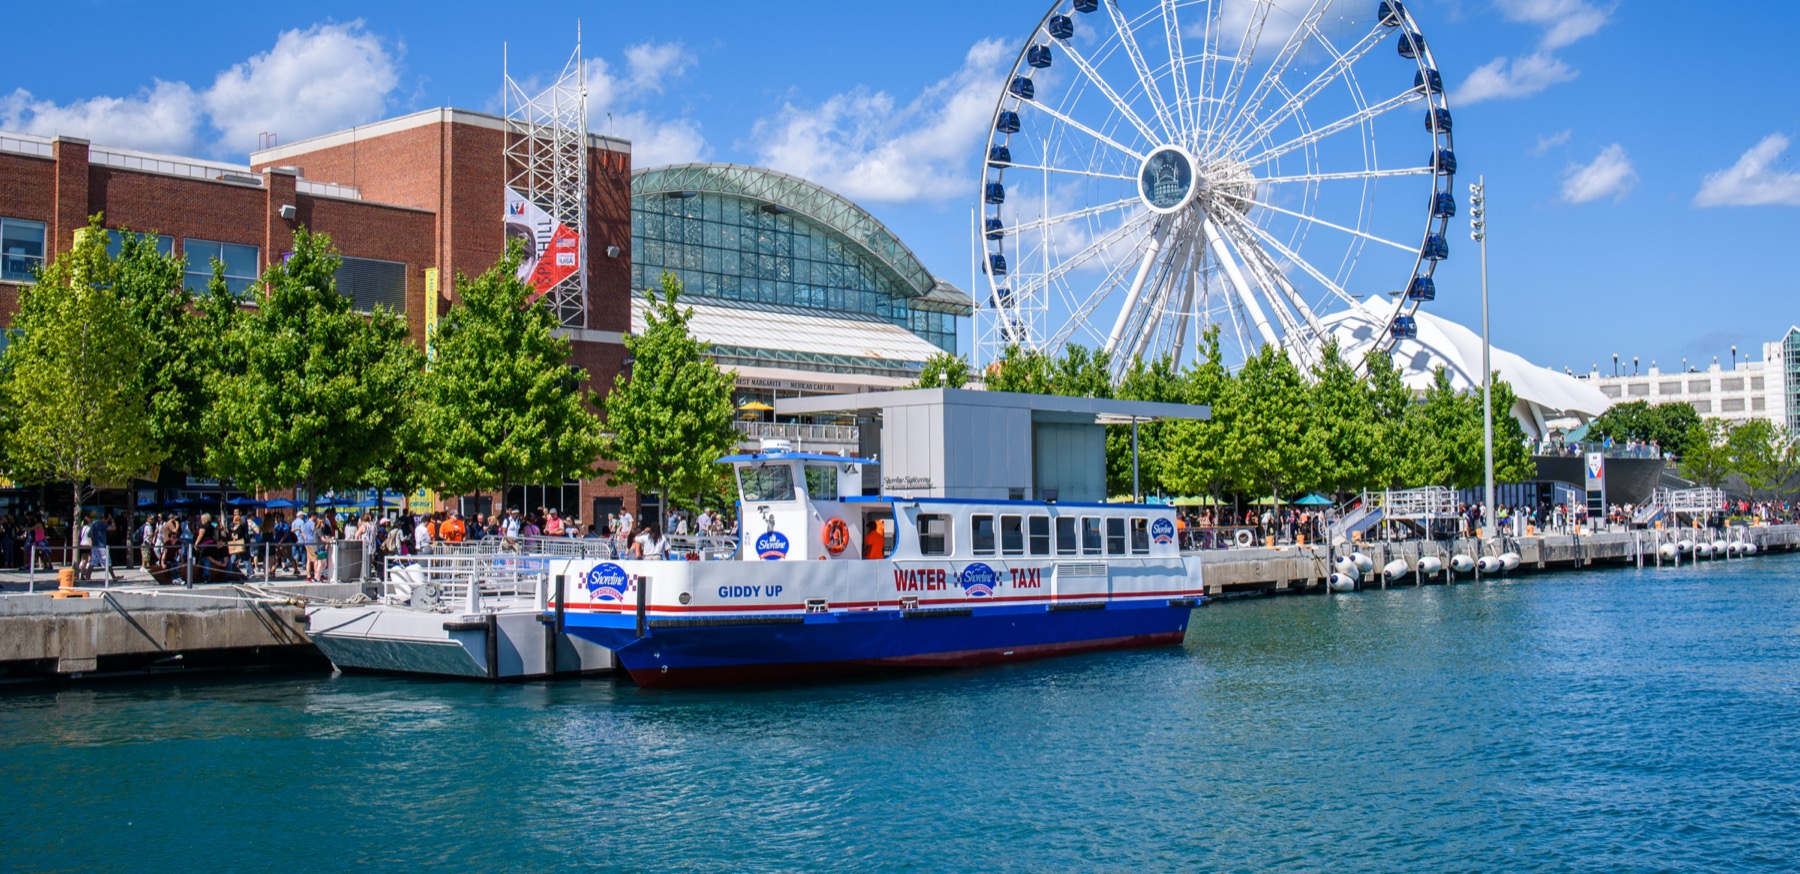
(1543, 394)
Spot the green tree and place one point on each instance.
(1439, 443)
(317, 401)
(78, 414)
(1082, 373)
(1342, 408)
(172, 372)
(1021, 370)
(1705, 459)
(1194, 457)
(1512, 449)
(1671, 426)
(670, 419)
(1761, 454)
(944, 370)
(499, 403)
(1392, 402)
(1274, 449)
(1155, 381)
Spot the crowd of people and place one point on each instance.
(203, 547)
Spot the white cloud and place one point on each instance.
(1525, 76)
(1752, 181)
(1608, 175)
(313, 81)
(869, 146)
(1564, 21)
(164, 118)
(615, 105)
(1551, 141)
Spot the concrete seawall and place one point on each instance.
(1284, 569)
(138, 631)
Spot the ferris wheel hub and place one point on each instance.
(1167, 181)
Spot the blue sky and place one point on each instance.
(1641, 186)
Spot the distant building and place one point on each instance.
(1751, 389)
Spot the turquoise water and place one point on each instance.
(1618, 720)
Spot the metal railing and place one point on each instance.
(25, 144)
(466, 582)
(126, 159)
(328, 189)
(799, 431)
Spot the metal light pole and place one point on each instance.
(1478, 233)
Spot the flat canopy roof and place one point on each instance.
(1053, 406)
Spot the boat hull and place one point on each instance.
(745, 649)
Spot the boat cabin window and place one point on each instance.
(1140, 535)
(1090, 535)
(821, 482)
(766, 482)
(934, 534)
(981, 534)
(1115, 536)
(1038, 529)
(1012, 535)
(1066, 543)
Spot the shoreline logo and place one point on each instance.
(1162, 531)
(608, 582)
(978, 580)
(772, 546)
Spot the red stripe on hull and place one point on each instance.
(800, 671)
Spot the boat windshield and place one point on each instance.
(766, 482)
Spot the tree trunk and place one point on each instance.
(75, 525)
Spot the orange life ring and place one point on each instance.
(837, 536)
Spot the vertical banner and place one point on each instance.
(1596, 483)
(552, 249)
(431, 308)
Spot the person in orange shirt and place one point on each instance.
(874, 539)
(452, 530)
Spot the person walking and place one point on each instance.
(422, 536)
(102, 555)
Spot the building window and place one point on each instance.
(369, 283)
(1702, 406)
(1640, 389)
(21, 249)
(1611, 391)
(1758, 404)
(1668, 388)
(240, 262)
(1731, 405)
(1756, 383)
(1732, 384)
(115, 243)
(1699, 386)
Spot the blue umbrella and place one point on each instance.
(245, 502)
(282, 504)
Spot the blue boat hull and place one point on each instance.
(738, 649)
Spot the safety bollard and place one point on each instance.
(65, 584)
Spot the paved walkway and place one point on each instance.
(14, 581)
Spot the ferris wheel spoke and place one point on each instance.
(1245, 297)
(1290, 49)
(1063, 117)
(1279, 280)
(1265, 275)
(1080, 311)
(1177, 66)
(1339, 67)
(1239, 69)
(1359, 117)
(1106, 90)
(1334, 226)
(1128, 42)
(1090, 251)
(1350, 174)
(1046, 168)
(1072, 215)
(1282, 249)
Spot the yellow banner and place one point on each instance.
(431, 307)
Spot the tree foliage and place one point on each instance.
(1668, 425)
(1273, 447)
(1158, 381)
(670, 418)
(172, 372)
(944, 370)
(499, 403)
(318, 399)
(78, 411)
(1345, 427)
(1193, 458)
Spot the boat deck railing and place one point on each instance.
(459, 580)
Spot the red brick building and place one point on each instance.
(402, 199)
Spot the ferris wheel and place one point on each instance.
(1153, 168)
